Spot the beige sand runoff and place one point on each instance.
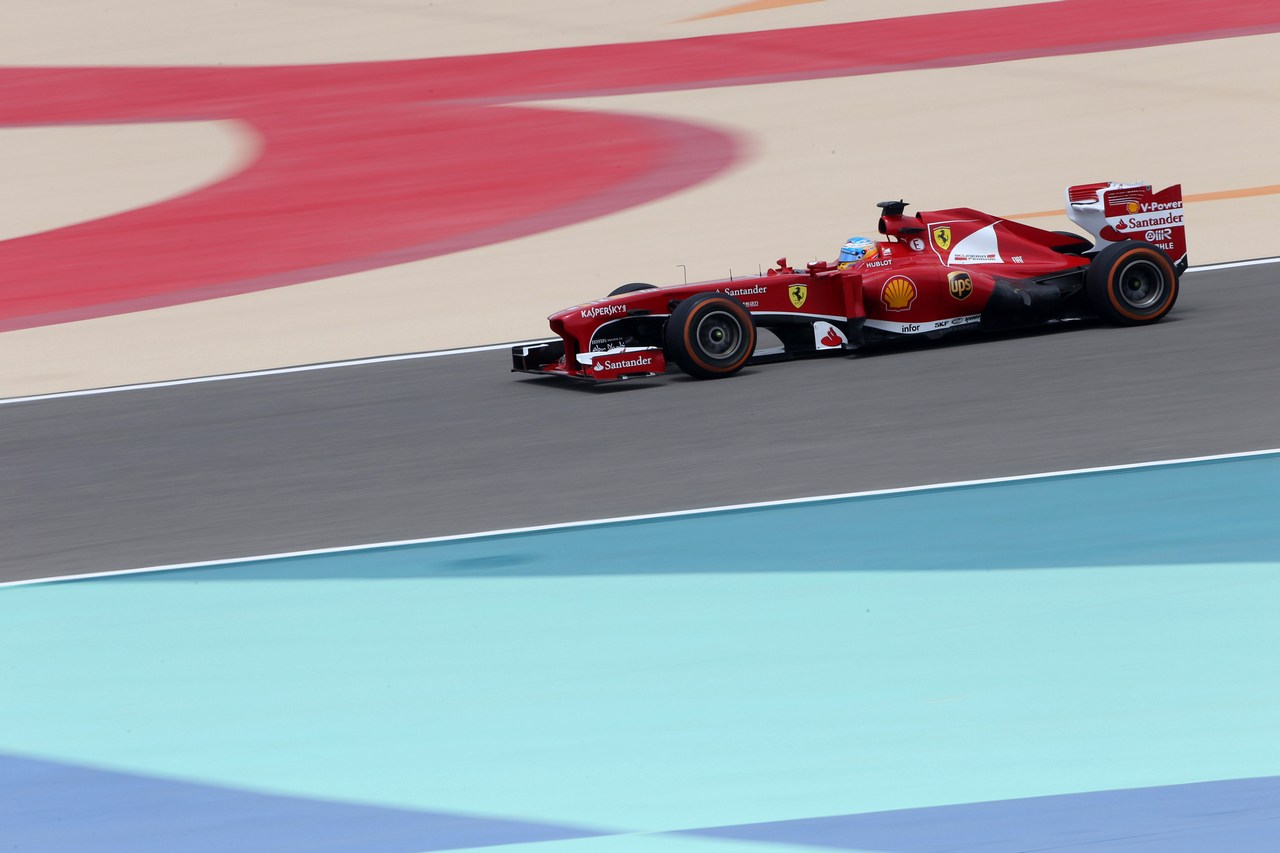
(1006, 137)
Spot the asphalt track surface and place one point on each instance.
(457, 444)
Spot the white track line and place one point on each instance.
(1233, 264)
(275, 371)
(383, 359)
(716, 510)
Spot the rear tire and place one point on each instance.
(1131, 283)
(632, 288)
(710, 335)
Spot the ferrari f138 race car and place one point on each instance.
(932, 272)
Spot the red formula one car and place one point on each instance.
(931, 273)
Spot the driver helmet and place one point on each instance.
(856, 249)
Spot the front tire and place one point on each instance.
(710, 335)
(1131, 283)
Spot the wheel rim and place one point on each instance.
(1141, 285)
(718, 335)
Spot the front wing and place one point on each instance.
(548, 359)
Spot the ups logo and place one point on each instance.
(960, 285)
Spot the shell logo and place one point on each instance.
(898, 293)
(1132, 207)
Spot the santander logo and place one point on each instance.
(618, 364)
(827, 336)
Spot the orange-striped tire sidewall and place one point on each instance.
(1113, 285)
(732, 307)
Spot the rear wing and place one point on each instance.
(1112, 212)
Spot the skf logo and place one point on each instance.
(942, 236)
(898, 293)
(960, 285)
(798, 293)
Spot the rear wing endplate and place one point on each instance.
(1112, 212)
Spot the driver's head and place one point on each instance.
(856, 249)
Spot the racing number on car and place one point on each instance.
(960, 285)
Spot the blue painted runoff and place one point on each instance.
(121, 813)
(1005, 661)
(51, 807)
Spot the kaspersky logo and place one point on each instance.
(602, 311)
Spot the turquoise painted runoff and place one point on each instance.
(1070, 634)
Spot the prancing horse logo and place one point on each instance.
(942, 236)
(798, 294)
